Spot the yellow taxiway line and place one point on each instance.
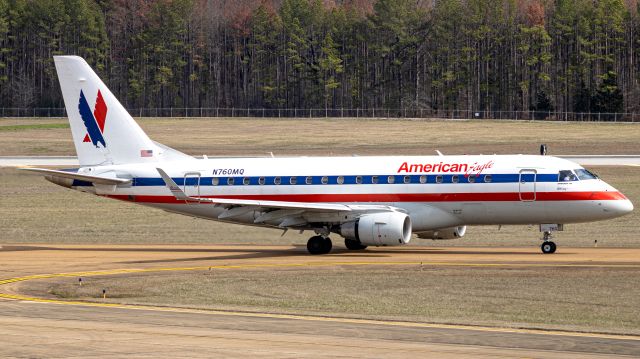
(311, 318)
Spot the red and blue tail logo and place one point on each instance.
(93, 121)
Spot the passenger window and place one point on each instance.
(325, 180)
(407, 179)
(230, 181)
(340, 180)
(391, 179)
(261, 181)
(246, 181)
(308, 180)
(293, 180)
(423, 179)
(438, 179)
(472, 178)
(276, 180)
(358, 179)
(374, 179)
(454, 179)
(214, 181)
(567, 176)
(487, 178)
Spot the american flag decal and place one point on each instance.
(146, 153)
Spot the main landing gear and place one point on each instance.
(353, 245)
(319, 245)
(547, 246)
(322, 245)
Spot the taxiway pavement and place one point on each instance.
(55, 328)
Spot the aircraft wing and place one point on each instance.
(289, 212)
(78, 176)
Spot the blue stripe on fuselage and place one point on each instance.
(333, 180)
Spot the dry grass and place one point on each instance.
(254, 136)
(33, 210)
(579, 299)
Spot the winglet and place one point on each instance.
(172, 186)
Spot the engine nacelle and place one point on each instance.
(379, 229)
(444, 233)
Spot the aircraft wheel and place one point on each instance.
(327, 245)
(548, 247)
(353, 245)
(319, 245)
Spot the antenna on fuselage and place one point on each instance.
(439, 153)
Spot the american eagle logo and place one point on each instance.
(93, 121)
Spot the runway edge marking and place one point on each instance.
(19, 297)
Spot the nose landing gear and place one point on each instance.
(548, 246)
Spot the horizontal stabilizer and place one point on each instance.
(78, 176)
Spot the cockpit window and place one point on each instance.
(585, 175)
(567, 176)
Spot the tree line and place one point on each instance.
(440, 55)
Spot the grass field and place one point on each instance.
(242, 136)
(577, 299)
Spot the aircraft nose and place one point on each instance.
(621, 207)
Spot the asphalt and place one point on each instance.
(36, 325)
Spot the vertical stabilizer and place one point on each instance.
(103, 131)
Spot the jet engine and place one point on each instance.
(444, 233)
(379, 229)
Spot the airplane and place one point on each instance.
(369, 201)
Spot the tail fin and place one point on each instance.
(103, 131)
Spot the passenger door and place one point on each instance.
(527, 185)
(191, 186)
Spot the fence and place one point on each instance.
(342, 113)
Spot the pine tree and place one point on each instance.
(4, 42)
(330, 67)
(608, 97)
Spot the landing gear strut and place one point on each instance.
(319, 245)
(547, 246)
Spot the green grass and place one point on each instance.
(579, 299)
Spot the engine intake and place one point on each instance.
(444, 233)
(379, 229)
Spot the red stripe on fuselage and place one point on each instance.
(398, 197)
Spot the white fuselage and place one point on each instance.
(435, 191)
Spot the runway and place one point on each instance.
(54, 328)
(583, 160)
